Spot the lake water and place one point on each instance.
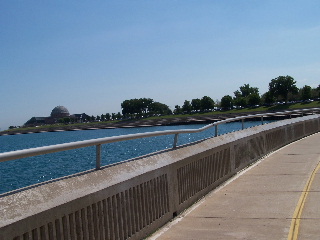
(20, 173)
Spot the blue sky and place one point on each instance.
(90, 56)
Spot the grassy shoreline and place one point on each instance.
(160, 120)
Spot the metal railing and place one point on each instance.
(7, 156)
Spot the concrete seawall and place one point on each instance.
(133, 199)
(197, 119)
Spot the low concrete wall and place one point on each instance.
(133, 199)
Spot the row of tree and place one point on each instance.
(281, 89)
(205, 104)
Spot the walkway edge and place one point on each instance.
(295, 223)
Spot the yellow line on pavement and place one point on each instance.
(295, 223)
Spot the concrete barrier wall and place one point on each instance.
(133, 199)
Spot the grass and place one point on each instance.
(314, 104)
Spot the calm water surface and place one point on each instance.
(24, 172)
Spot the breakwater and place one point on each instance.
(170, 121)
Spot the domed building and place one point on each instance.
(57, 114)
(60, 112)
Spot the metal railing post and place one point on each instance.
(175, 141)
(262, 120)
(242, 121)
(216, 131)
(98, 156)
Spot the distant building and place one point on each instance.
(57, 113)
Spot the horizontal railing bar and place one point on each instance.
(7, 156)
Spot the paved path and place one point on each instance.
(276, 198)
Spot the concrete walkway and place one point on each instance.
(276, 198)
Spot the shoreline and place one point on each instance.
(134, 123)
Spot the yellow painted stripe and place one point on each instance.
(295, 223)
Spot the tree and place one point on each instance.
(145, 104)
(305, 93)
(242, 96)
(268, 98)
(282, 86)
(196, 104)
(107, 116)
(246, 90)
(159, 108)
(177, 109)
(118, 116)
(254, 99)
(186, 107)
(136, 107)
(226, 102)
(240, 101)
(207, 103)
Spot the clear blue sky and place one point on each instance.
(90, 56)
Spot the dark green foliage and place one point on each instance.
(282, 86)
(247, 96)
(226, 102)
(196, 104)
(254, 99)
(207, 103)
(186, 107)
(305, 93)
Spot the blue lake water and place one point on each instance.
(20, 173)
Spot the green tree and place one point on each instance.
(207, 103)
(196, 104)
(226, 102)
(177, 109)
(242, 96)
(159, 108)
(240, 101)
(136, 107)
(144, 104)
(186, 107)
(305, 92)
(282, 86)
(246, 90)
(118, 116)
(254, 99)
(107, 116)
(268, 98)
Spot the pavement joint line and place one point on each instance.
(295, 223)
